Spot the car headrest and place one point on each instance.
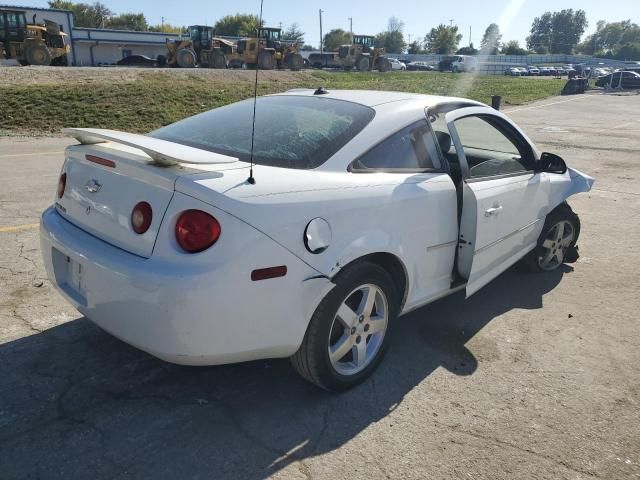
(444, 140)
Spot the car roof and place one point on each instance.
(375, 98)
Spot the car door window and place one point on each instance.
(412, 148)
(489, 149)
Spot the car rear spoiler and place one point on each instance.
(162, 152)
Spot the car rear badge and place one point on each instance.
(93, 186)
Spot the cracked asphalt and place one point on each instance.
(535, 376)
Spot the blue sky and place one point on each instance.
(513, 16)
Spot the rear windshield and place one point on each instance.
(291, 131)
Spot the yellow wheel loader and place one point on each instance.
(32, 44)
(361, 55)
(201, 48)
(266, 52)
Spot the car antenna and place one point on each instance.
(251, 179)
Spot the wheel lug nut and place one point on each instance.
(366, 327)
(353, 330)
(358, 338)
(361, 318)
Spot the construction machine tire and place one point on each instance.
(295, 62)
(266, 61)
(217, 60)
(186, 58)
(362, 64)
(384, 65)
(37, 54)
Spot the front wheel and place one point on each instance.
(557, 241)
(349, 331)
(362, 64)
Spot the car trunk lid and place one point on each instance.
(105, 181)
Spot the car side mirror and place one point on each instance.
(552, 163)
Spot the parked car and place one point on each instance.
(420, 66)
(546, 71)
(533, 70)
(194, 247)
(629, 80)
(559, 71)
(458, 63)
(141, 61)
(397, 64)
(513, 71)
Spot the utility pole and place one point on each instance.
(321, 46)
(351, 25)
(470, 42)
(451, 22)
(162, 22)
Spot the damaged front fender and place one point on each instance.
(564, 186)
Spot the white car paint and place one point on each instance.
(397, 64)
(204, 308)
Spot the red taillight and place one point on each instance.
(141, 217)
(196, 230)
(62, 184)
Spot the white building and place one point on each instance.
(94, 46)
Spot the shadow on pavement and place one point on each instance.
(77, 403)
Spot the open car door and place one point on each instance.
(504, 200)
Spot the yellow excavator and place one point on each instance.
(200, 49)
(266, 52)
(32, 44)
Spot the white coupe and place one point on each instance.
(361, 206)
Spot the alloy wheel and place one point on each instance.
(554, 247)
(358, 329)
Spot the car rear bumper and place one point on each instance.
(183, 312)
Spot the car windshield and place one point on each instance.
(290, 131)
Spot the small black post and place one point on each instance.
(496, 100)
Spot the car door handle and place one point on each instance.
(493, 211)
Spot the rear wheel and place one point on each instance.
(384, 65)
(266, 61)
(557, 242)
(217, 60)
(350, 330)
(362, 64)
(186, 58)
(37, 54)
(295, 62)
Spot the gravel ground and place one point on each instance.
(57, 75)
(535, 376)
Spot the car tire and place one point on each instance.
(557, 241)
(352, 336)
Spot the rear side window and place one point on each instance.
(412, 148)
(291, 131)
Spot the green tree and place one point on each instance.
(442, 39)
(414, 47)
(335, 38)
(512, 47)
(293, 33)
(308, 48)
(560, 31)
(610, 38)
(238, 25)
(128, 21)
(166, 28)
(470, 50)
(491, 40)
(86, 15)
